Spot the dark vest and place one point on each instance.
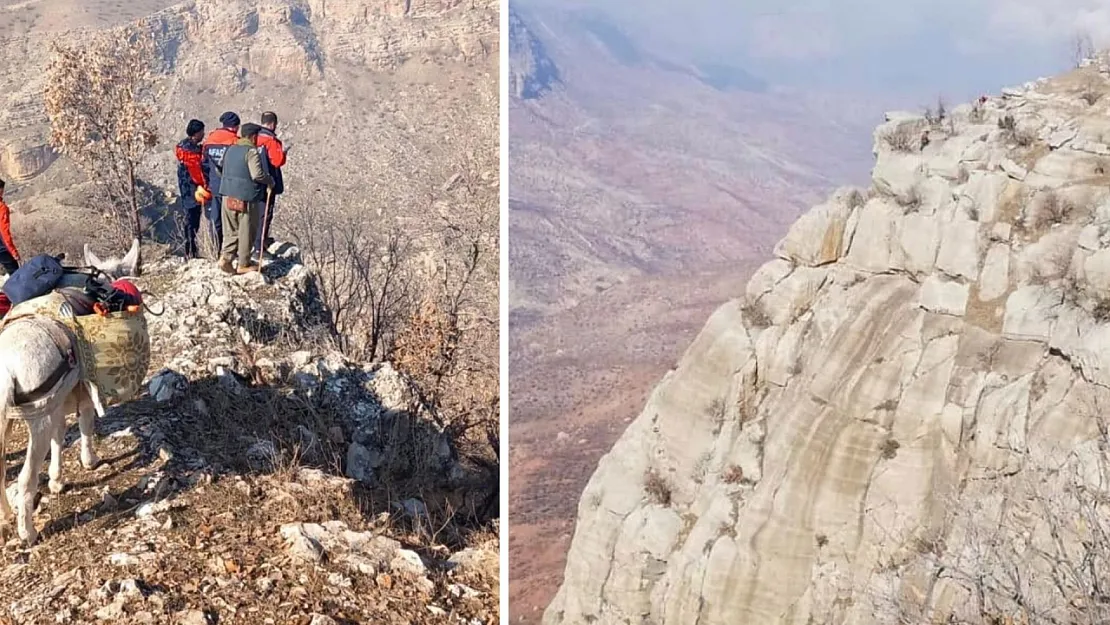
(237, 181)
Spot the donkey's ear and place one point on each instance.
(90, 259)
(130, 263)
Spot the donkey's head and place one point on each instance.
(126, 267)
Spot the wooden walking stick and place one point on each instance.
(265, 219)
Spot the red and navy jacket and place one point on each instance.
(218, 141)
(192, 168)
(273, 155)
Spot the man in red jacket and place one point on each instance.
(274, 154)
(218, 141)
(192, 175)
(9, 255)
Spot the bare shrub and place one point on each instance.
(1101, 310)
(716, 412)
(855, 199)
(913, 199)
(1034, 550)
(701, 467)
(1024, 137)
(756, 315)
(936, 114)
(1082, 48)
(904, 138)
(657, 488)
(733, 475)
(100, 97)
(1091, 93)
(1053, 209)
(364, 276)
(890, 448)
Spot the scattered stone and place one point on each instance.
(123, 559)
(359, 463)
(193, 617)
(300, 544)
(409, 562)
(166, 385)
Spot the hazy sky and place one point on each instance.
(961, 47)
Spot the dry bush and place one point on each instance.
(365, 275)
(1092, 91)
(855, 199)
(913, 199)
(657, 488)
(890, 448)
(716, 412)
(100, 99)
(733, 475)
(904, 139)
(756, 315)
(1014, 133)
(1040, 558)
(411, 276)
(1024, 137)
(1082, 48)
(936, 114)
(1053, 209)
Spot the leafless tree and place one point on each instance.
(365, 275)
(1082, 48)
(1035, 551)
(100, 101)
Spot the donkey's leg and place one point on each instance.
(86, 420)
(6, 513)
(38, 441)
(57, 441)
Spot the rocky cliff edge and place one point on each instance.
(903, 418)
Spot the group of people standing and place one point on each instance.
(235, 173)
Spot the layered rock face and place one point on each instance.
(911, 373)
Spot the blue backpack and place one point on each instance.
(37, 277)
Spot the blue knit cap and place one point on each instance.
(229, 120)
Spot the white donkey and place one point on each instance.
(40, 383)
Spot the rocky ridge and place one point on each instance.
(921, 367)
(255, 483)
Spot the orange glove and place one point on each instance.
(202, 195)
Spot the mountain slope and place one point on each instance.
(228, 493)
(380, 102)
(900, 419)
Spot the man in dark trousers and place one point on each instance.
(273, 154)
(9, 255)
(214, 147)
(192, 181)
(243, 184)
